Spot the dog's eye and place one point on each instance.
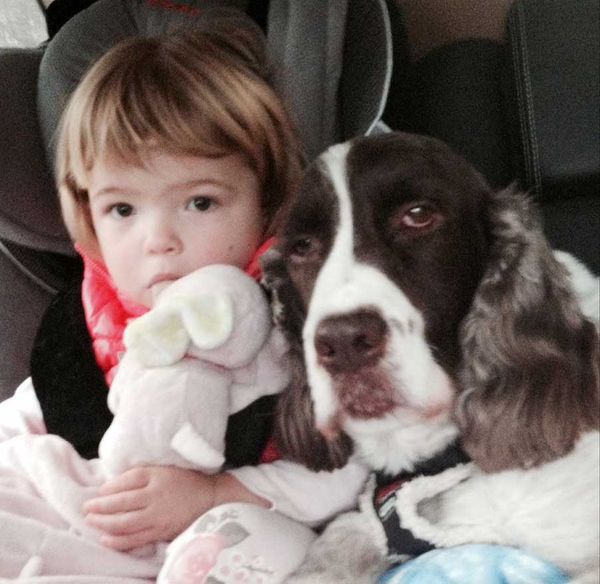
(419, 216)
(302, 248)
(413, 220)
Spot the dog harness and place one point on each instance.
(400, 541)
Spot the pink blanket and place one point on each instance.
(43, 535)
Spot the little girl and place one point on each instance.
(174, 153)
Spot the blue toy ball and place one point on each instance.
(475, 564)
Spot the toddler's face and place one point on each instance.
(160, 221)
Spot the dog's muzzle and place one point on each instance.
(348, 342)
(350, 347)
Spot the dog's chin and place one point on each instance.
(366, 394)
(368, 400)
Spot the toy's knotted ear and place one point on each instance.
(208, 319)
(162, 336)
(158, 338)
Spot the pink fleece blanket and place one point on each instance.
(43, 536)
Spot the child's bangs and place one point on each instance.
(138, 98)
(125, 129)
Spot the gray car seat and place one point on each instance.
(332, 63)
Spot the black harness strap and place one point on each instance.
(400, 540)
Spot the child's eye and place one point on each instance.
(201, 203)
(121, 210)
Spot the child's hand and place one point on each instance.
(147, 504)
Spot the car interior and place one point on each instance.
(512, 86)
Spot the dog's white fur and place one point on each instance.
(345, 284)
(546, 510)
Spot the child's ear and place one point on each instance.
(85, 239)
(158, 338)
(91, 249)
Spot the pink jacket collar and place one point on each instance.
(107, 312)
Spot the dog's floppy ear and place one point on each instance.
(529, 376)
(295, 431)
(286, 304)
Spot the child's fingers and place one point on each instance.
(118, 503)
(118, 524)
(134, 478)
(129, 541)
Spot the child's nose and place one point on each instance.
(163, 239)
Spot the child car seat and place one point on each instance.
(332, 62)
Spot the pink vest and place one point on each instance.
(107, 312)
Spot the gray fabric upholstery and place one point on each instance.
(556, 84)
(318, 68)
(28, 209)
(366, 67)
(21, 306)
(333, 65)
(553, 84)
(88, 35)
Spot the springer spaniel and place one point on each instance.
(431, 325)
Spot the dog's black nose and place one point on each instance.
(348, 342)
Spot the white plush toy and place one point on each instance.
(206, 350)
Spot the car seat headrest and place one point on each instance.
(331, 63)
(92, 32)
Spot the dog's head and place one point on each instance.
(413, 287)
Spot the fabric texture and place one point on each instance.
(293, 490)
(237, 542)
(71, 386)
(43, 485)
(106, 315)
(45, 482)
(22, 305)
(302, 494)
(206, 349)
(341, 51)
(44, 538)
(107, 312)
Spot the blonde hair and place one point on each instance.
(199, 93)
